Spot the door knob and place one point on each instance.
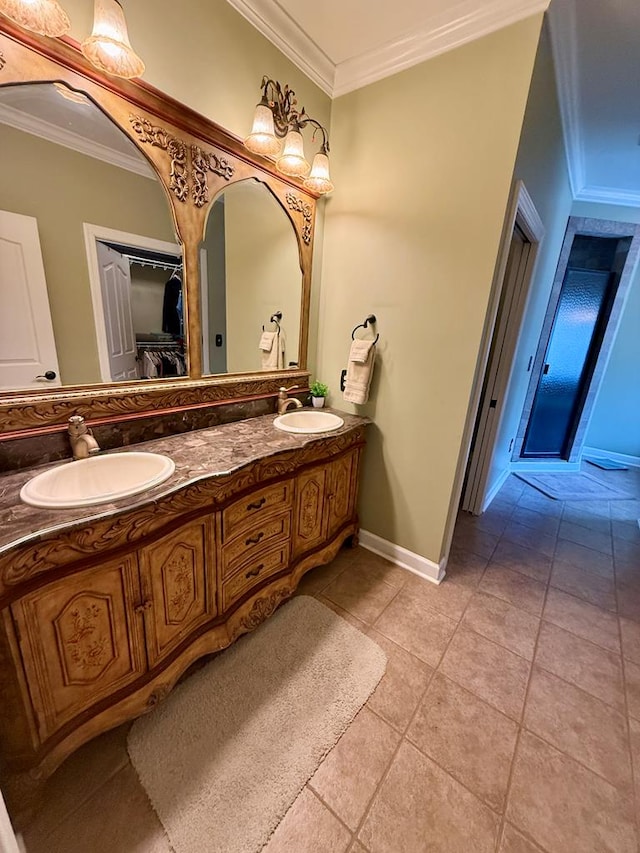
(49, 374)
(546, 369)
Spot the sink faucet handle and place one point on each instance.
(284, 390)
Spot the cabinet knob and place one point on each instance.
(253, 573)
(146, 605)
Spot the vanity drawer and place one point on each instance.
(254, 541)
(263, 565)
(243, 512)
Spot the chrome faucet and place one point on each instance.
(83, 444)
(284, 402)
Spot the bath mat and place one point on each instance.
(573, 486)
(228, 752)
(606, 464)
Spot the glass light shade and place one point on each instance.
(46, 17)
(319, 180)
(292, 162)
(108, 46)
(262, 139)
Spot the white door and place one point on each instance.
(115, 284)
(28, 357)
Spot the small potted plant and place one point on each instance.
(318, 391)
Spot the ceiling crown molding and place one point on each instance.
(282, 31)
(463, 23)
(69, 139)
(609, 195)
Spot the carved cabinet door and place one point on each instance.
(178, 586)
(81, 640)
(342, 491)
(310, 517)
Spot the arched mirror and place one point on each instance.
(251, 283)
(90, 268)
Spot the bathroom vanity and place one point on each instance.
(103, 609)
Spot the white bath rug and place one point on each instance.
(228, 752)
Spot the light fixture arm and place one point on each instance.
(283, 104)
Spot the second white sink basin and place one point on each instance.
(308, 421)
(97, 480)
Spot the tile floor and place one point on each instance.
(508, 719)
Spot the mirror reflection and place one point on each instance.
(90, 270)
(251, 283)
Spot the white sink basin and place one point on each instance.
(308, 421)
(97, 480)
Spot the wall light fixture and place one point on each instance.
(108, 47)
(277, 117)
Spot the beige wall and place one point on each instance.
(423, 164)
(64, 190)
(147, 298)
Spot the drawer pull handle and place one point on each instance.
(146, 605)
(253, 540)
(257, 504)
(253, 573)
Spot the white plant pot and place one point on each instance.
(318, 402)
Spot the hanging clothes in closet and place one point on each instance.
(172, 320)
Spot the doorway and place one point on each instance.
(594, 271)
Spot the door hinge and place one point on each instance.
(530, 363)
(510, 446)
(493, 404)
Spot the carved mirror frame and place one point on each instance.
(195, 159)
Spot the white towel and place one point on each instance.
(281, 349)
(266, 341)
(359, 352)
(358, 381)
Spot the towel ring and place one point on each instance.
(275, 318)
(371, 319)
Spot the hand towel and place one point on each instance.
(358, 381)
(280, 344)
(270, 351)
(359, 352)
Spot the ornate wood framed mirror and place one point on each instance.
(134, 215)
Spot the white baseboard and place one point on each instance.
(623, 458)
(402, 557)
(543, 465)
(493, 491)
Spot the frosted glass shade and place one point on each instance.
(108, 46)
(262, 139)
(319, 180)
(292, 161)
(46, 17)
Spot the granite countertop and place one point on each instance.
(211, 452)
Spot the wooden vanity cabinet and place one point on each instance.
(97, 623)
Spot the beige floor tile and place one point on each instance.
(421, 809)
(493, 520)
(348, 777)
(632, 681)
(626, 530)
(595, 589)
(588, 509)
(580, 725)
(589, 537)
(584, 558)
(490, 671)
(582, 663)
(517, 589)
(464, 567)
(348, 617)
(630, 640)
(448, 598)
(628, 551)
(503, 623)
(566, 807)
(515, 842)
(319, 578)
(532, 499)
(523, 560)
(629, 600)
(520, 534)
(372, 565)
(547, 524)
(405, 680)
(584, 620)
(364, 597)
(634, 737)
(476, 541)
(574, 514)
(467, 738)
(118, 817)
(418, 629)
(358, 848)
(625, 510)
(309, 827)
(80, 776)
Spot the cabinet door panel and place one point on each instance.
(342, 491)
(311, 496)
(178, 583)
(81, 640)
